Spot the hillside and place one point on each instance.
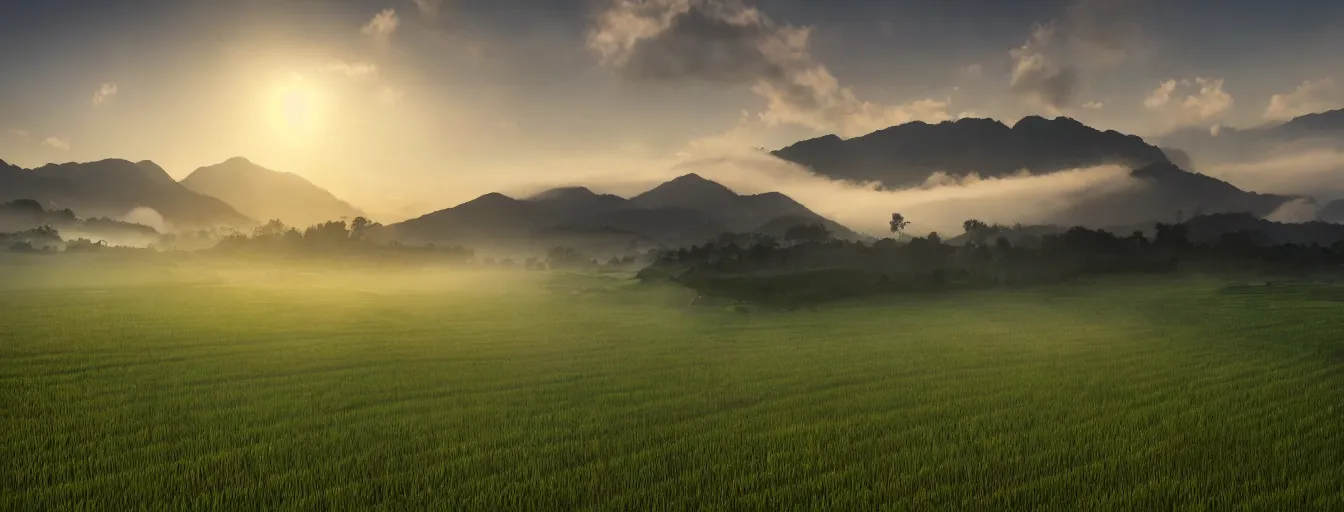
(112, 188)
(263, 194)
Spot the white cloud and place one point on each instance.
(382, 26)
(1161, 95)
(1297, 210)
(1205, 103)
(1094, 105)
(1312, 96)
(104, 92)
(354, 69)
(975, 70)
(19, 133)
(57, 143)
(728, 42)
(429, 8)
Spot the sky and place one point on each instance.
(406, 106)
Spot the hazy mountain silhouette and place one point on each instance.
(686, 210)
(1240, 144)
(909, 154)
(577, 202)
(1209, 228)
(1333, 211)
(113, 187)
(906, 155)
(263, 194)
(741, 213)
(1168, 192)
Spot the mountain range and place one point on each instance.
(907, 155)
(1228, 144)
(686, 210)
(112, 188)
(690, 209)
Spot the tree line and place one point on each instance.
(802, 269)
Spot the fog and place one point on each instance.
(941, 204)
(145, 217)
(1297, 210)
(1310, 168)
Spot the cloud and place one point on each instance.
(937, 206)
(1094, 105)
(1037, 77)
(354, 69)
(1297, 210)
(429, 8)
(728, 42)
(975, 70)
(1312, 96)
(382, 26)
(1306, 168)
(1091, 33)
(1161, 95)
(104, 92)
(18, 133)
(57, 143)
(1102, 32)
(1206, 103)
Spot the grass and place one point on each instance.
(347, 389)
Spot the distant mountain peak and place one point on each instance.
(489, 199)
(690, 178)
(265, 194)
(688, 190)
(558, 193)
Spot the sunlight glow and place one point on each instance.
(296, 109)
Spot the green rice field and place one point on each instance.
(169, 387)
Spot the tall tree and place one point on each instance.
(898, 223)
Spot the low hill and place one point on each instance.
(263, 194)
(1209, 228)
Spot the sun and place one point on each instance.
(296, 108)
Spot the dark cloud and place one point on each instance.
(1038, 77)
(732, 42)
(1104, 31)
(1091, 33)
(699, 45)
